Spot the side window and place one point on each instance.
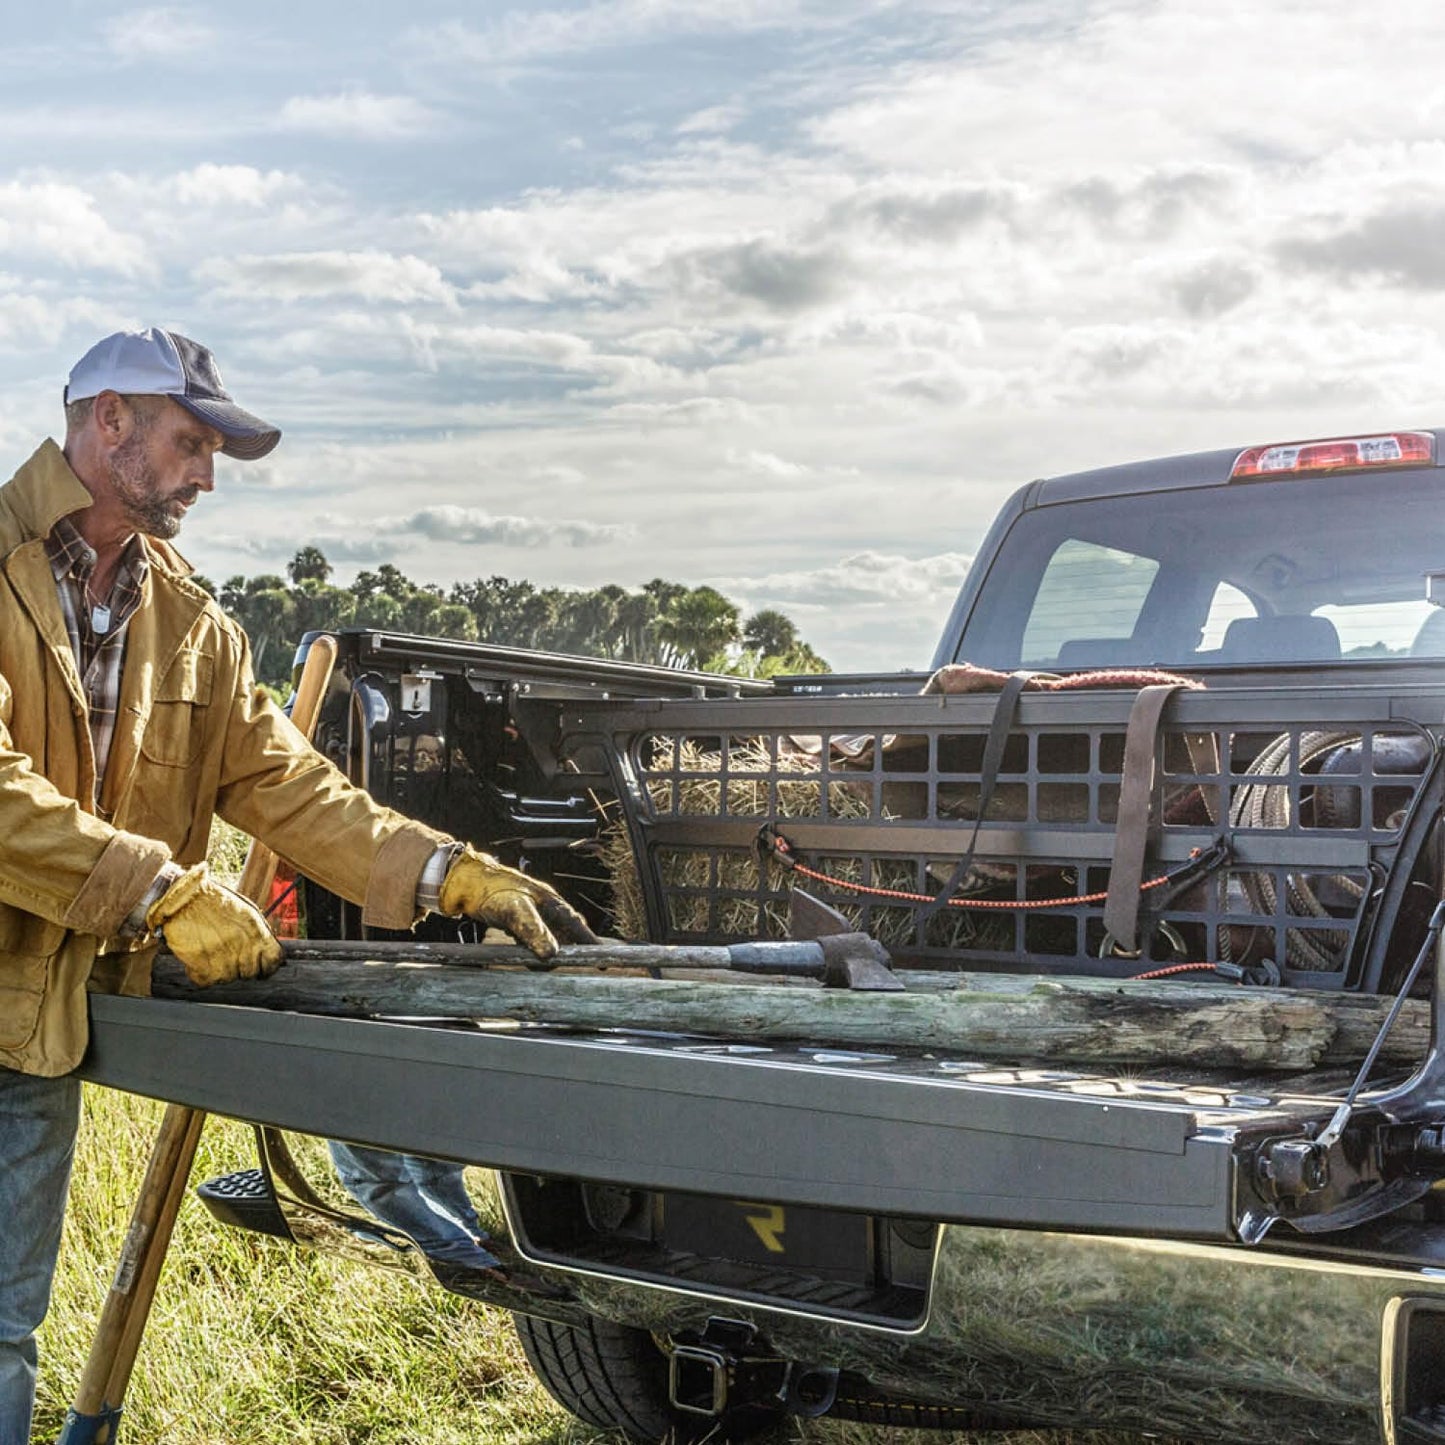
(1227, 604)
(1088, 595)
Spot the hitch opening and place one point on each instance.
(728, 1369)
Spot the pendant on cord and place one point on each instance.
(100, 618)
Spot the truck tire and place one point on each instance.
(615, 1377)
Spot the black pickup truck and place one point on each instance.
(1185, 719)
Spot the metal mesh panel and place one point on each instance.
(1303, 820)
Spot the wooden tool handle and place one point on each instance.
(98, 1398)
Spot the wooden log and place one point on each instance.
(984, 1016)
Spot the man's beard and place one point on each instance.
(136, 484)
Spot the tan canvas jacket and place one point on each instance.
(192, 738)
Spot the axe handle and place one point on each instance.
(803, 959)
(98, 1399)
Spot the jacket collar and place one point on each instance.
(45, 489)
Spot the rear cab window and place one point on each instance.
(1322, 569)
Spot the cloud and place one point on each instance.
(779, 277)
(359, 114)
(712, 119)
(474, 526)
(1403, 245)
(28, 319)
(931, 214)
(522, 35)
(1248, 361)
(59, 222)
(1215, 286)
(315, 275)
(233, 185)
(1152, 81)
(861, 578)
(162, 32)
(348, 549)
(765, 464)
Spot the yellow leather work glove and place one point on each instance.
(480, 886)
(217, 935)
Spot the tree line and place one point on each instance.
(662, 622)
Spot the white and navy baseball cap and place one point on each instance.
(165, 363)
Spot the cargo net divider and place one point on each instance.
(1271, 844)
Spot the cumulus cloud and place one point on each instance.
(233, 185)
(57, 221)
(475, 526)
(28, 318)
(315, 275)
(358, 114)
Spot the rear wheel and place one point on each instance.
(616, 1378)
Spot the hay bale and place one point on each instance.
(797, 797)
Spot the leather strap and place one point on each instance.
(1131, 831)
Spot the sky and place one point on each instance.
(782, 296)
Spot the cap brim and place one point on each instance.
(247, 437)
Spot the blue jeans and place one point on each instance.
(424, 1198)
(38, 1120)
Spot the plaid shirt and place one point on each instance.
(99, 656)
(97, 630)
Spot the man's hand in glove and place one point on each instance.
(217, 935)
(479, 886)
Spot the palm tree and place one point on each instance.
(309, 564)
(698, 626)
(770, 633)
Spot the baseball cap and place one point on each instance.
(165, 363)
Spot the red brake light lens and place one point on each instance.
(1337, 454)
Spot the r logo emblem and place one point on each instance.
(767, 1222)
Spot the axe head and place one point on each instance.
(850, 959)
(853, 960)
(810, 917)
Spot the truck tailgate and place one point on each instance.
(948, 1140)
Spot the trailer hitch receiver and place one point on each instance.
(728, 1368)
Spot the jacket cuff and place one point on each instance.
(391, 890)
(429, 885)
(125, 871)
(135, 921)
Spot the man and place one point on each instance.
(128, 715)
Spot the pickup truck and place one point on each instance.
(1185, 719)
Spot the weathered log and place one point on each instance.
(985, 1016)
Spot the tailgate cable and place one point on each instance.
(1336, 1126)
